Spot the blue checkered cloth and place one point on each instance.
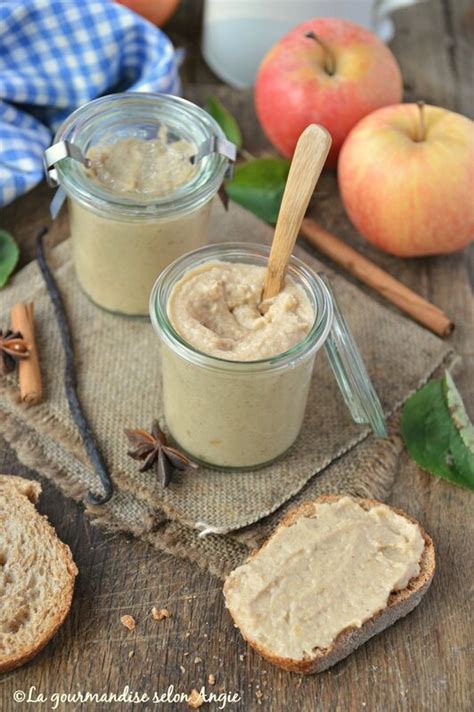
(58, 54)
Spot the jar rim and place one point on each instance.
(235, 252)
(150, 109)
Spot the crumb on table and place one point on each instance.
(159, 613)
(128, 621)
(195, 699)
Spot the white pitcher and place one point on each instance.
(238, 33)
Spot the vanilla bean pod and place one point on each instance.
(70, 379)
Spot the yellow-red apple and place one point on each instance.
(406, 176)
(325, 71)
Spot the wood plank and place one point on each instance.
(422, 663)
(428, 45)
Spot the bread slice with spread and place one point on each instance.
(37, 574)
(335, 572)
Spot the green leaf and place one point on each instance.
(258, 185)
(432, 436)
(458, 412)
(9, 255)
(224, 118)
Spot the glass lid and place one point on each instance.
(350, 372)
(139, 154)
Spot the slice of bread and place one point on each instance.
(399, 603)
(37, 574)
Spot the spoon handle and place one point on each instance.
(306, 166)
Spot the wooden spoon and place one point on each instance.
(306, 166)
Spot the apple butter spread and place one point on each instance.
(236, 372)
(139, 202)
(146, 168)
(118, 260)
(326, 572)
(217, 309)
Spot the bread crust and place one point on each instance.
(399, 603)
(30, 488)
(20, 487)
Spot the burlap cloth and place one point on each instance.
(119, 376)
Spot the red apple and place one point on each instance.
(156, 11)
(406, 176)
(327, 71)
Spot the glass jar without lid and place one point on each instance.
(122, 239)
(244, 414)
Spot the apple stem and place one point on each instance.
(421, 134)
(329, 59)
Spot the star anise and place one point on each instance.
(13, 348)
(154, 450)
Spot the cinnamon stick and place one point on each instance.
(394, 291)
(29, 374)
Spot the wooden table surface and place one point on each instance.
(424, 662)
